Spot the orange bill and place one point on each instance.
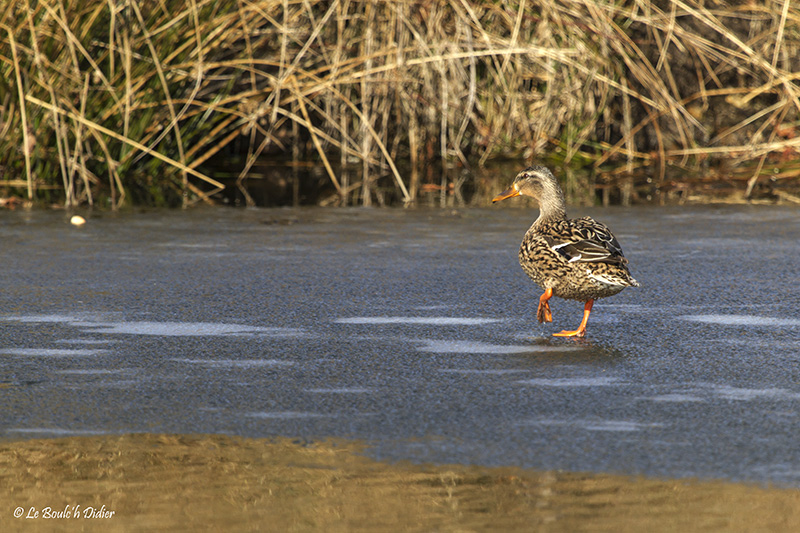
(508, 193)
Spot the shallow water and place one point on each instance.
(217, 483)
(413, 332)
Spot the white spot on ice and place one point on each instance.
(56, 431)
(89, 371)
(285, 415)
(742, 320)
(735, 393)
(165, 329)
(675, 398)
(234, 363)
(482, 347)
(488, 372)
(572, 382)
(185, 329)
(428, 321)
(594, 425)
(341, 390)
(52, 352)
(616, 425)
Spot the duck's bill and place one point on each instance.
(508, 193)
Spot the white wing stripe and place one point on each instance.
(603, 279)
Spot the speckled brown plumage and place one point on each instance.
(578, 259)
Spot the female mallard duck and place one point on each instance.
(578, 259)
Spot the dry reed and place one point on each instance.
(150, 93)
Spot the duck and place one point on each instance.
(575, 259)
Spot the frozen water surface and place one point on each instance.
(414, 331)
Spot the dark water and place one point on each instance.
(413, 331)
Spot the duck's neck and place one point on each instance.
(552, 208)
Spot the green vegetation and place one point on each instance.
(105, 102)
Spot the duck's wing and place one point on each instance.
(584, 240)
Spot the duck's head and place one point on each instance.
(537, 182)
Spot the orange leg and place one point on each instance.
(581, 331)
(543, 314)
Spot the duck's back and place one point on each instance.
(579, 259)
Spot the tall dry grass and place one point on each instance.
(130, 101)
